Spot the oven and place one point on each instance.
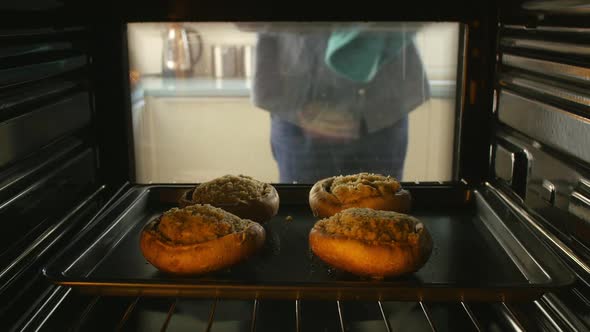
(109, 111)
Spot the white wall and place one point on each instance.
(432, 125)
(438, 45)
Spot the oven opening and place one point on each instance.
(118, 127)
(293, 102)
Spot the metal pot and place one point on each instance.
(227, 61)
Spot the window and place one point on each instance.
(292, 102)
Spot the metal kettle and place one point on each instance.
(181, 51)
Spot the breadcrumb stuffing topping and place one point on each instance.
(230, 189)
(350, 188)
(199, 223)
(372, 225)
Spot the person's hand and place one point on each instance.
(329, 123)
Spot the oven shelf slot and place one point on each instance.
(297, 316)
(387, 325)
(254, 313)
(511, 318)
(170, 313)
(340, 317)
(471, 316)
(127, 313)
(428, 315)
(211, 315)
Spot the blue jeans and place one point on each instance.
(305, 159)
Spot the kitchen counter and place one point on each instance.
(191, 87)
(210, 87)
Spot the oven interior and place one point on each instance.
(75, 181)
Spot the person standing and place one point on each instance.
(339, 97)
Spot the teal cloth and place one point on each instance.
(357, 54)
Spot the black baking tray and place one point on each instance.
(482, 252)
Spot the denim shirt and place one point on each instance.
(290, 73)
